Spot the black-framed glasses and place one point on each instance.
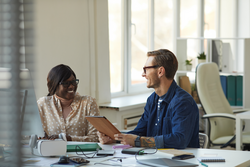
(68, 83)
(144, 68)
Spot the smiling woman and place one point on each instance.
(63, 110)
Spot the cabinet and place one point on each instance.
(232, 55)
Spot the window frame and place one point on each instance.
(127, 87)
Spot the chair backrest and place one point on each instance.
(203, 140)
(213, 100)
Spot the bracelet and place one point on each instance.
(62, 136)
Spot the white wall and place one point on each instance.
(75, 33)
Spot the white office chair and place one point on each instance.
(217, 110)
(203, 140)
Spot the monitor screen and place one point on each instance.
(31, 123)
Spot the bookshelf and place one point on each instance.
(231, 55)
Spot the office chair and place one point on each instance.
(203, 140)
(221, 118)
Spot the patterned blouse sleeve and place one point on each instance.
(91, 132)
(41, 103)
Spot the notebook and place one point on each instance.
(174, 152)
(211, 159)
(165, 162)
(84, 147)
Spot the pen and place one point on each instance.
(203, 164)
(121, 146)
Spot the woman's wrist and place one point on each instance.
(68, 138)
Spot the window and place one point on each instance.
(139, 26)
(132, 25)
(115, 44)
(209, 18)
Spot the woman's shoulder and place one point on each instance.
(85, 97)
(44, 99)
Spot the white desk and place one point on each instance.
(233, 158)
(239, 118)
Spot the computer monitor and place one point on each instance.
(31, 119)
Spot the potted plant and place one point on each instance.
(201, 57)
(189, 64)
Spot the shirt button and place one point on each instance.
(156, 124)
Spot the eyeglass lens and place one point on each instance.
(144, 68)
(73, 82)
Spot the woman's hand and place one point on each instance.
(68, 138)
(104, 139)
(53, 137)
(46, 137)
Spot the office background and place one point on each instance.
(76, 33)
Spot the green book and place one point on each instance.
(239, 91)
(231, 90)
(84, 147)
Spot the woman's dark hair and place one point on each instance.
(56, 75)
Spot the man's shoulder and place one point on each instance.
(151, 97)
(183, 96)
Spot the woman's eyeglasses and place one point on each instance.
(68, 83)
(144, 68)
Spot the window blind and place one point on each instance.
(16, 53)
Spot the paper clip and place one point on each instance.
(121, 146)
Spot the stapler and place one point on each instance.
(45, 147)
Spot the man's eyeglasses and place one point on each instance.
(144, 68)
(68, 83)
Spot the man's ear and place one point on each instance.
(161, 71)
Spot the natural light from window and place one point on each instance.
(115, 38)
(139, 39)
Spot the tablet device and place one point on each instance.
(102, 124)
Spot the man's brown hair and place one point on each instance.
(165, 58)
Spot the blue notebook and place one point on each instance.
(223, 80)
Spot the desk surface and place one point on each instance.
(233, 158)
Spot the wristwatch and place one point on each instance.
(138, 142)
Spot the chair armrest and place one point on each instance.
(225, 115)
(241, 110)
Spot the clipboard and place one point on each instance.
(103, 125)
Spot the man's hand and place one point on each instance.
(130, 139)
(126, 139)
(104, 139)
